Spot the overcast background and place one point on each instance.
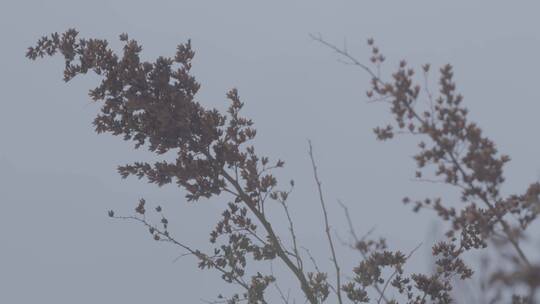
(58, 178)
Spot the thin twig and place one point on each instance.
(282, 296)
(326, 224)
(313, 261)
(357, 240)
(274, 239)
(191, 251)
(345, 54)
(293, 234)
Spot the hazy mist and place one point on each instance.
(58, 177)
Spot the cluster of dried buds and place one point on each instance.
(153, 105)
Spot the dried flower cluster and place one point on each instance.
(153, 105)
(459, 155)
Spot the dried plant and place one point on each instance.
(153, 105)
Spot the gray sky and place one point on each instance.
(58, 177)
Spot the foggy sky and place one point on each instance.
(58, 178)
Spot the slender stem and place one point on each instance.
(169, 238)
(357, 240)
(273, 237)
(326, 224)
(293, 235)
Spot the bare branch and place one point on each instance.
(344, 53)
(326, 224)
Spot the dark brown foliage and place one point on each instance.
(153, 105)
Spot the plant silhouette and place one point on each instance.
(153, 105)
